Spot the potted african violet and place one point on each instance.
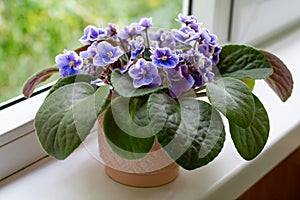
(166, 90)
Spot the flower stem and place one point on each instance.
(200, 88)
(147, 38)
(201, 94)
(124, 48)
(195, 45)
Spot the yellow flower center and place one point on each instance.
(71, 63)
(109, 54)
(144, 72)
(164, 58)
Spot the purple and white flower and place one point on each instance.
(90, 52)
(156, 36)
(167, 40)
(208, 38)
(144, 73)
(164, 58)
(146, 22)
(190, 21)
(181, 80)
(130, 31)
(186, 35)
(205, 50)
(106, 54)
(69, 63)
(91, 34)
(137, 46)
(216, 55)
(111, 30)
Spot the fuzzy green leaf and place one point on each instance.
(249, 82)
(130, 115)
(250, 141)
(240, 61)
(193, 132)
(233, 98)
(164, 114)
(70, 80)
(67, 116)
(125, 127)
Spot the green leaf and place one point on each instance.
(123, 84)
(240, 61)
(70, 80)
(233, 98)
(250, 141)
(202, 128)
(130, 115)
(164, 114)
(36, 79)
(127, 135)
(147, 54)
(193, 132)
(249, 82)
(67, 116)
(281, 81)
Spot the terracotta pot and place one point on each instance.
(155, 169)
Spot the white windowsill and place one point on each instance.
(81, 176)
(16, 120)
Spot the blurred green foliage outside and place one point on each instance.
(33, 32)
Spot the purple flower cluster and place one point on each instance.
(182, 58)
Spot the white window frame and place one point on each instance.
(215, 16)
(19, 146)
(263, 19)
(243, 21)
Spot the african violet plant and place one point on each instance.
(171, 86)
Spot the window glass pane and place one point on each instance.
(265, 22)
(32, 32)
